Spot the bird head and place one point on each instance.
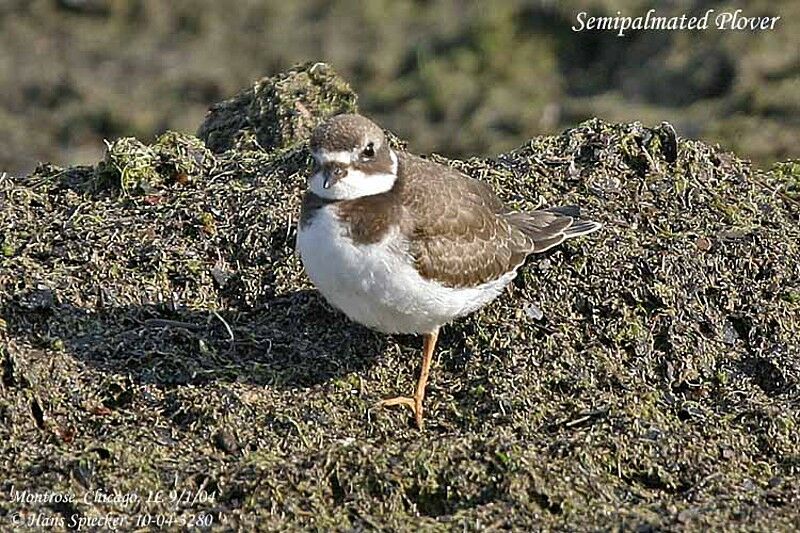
(352, 159)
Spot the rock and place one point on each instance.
(40, 298)
(533, 311)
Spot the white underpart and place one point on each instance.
(377, 284)
(355, 184)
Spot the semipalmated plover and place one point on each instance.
(401, 244)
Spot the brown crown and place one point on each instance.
(346, 132)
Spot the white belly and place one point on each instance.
(377, 284)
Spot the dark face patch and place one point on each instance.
(380, 163)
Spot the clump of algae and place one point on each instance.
(156, 330)
(130, 165)
(279, 111)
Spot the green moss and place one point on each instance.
(135, 168)
(129, 165)
(207, 223)
(789, 173)
(792, 297)
(182, 157)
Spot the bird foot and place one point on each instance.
(415, 404)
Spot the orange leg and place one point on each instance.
(415, 403)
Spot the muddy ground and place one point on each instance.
(75, 72)
(157, 333)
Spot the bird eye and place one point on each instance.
(369, 151)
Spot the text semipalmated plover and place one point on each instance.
(401, 244)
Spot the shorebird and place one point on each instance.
(402, 244)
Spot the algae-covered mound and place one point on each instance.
(279, 111)
(157, 333)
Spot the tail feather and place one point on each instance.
(582, 227)
(549, 227)
(573, 211)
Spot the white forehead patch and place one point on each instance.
(325, 156)
(355, 184)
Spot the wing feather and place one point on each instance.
(456, 235)
(461, 234)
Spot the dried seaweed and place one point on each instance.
(156, 330)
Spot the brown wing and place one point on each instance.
(457, 235)
(462, 235)
(546, 228)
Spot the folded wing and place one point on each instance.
(461, 236)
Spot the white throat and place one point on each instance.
(356, 183)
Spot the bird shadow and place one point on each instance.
(294, 340)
